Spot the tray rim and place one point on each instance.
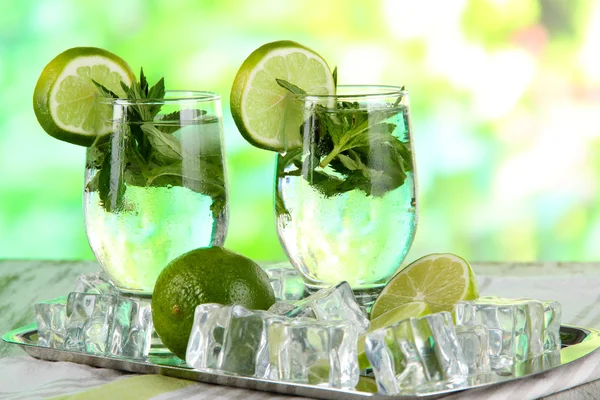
(590, 343)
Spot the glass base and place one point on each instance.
(364, 297)
(133, 293)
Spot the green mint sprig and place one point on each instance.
(357, 144)
(153, 154)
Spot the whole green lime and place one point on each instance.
(205, 275)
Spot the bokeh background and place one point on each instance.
(505, 98)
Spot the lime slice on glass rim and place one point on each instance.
(260, 107)
(440, 280)
(411, 309)
(64, 96)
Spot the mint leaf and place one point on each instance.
(352, 164)
(289, 86)
(111, 188)
(166, 145)
(126, 89)
(399, 99)
(105, 92)
(280, 208)
(357, 144)
(153, 153)
(156, 92)
(176, 116)
(206, 177)
(143, 85)
(334, 74)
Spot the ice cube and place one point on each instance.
(286, 283)
(518, 329)
(336, 303)
(245, 347)
(207, 335)
(395, 362)
(313, 352)
(552, 318)
(131, 329)
(231, 339)
(474, 342)
(51, 316)
(110, 325)
(417, 355)
(95, 283)
(89, 317)
(266, 345)
(282, 307)
(537, 364)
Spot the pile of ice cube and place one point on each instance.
(96, 320)
(309, 341)
(492, 337)
(314, 340)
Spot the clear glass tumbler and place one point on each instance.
(155, 184)
(345, 195)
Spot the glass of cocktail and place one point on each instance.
(345, 192)
(155, 184)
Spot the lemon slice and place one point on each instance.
(412, 309)
(440, 280)
(262, 110)
(64, 96)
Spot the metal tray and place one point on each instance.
(576, 344)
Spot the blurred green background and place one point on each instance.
(505, 98)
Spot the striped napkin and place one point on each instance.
(27, 378)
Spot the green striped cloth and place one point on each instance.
(27, 378)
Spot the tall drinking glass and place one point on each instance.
(345, 187)
(155, 184)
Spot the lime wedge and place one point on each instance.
(366, 384)
(412, 309)
(258, 103)
(64, 96)
(441, 280)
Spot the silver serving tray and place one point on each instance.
(576, 344)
